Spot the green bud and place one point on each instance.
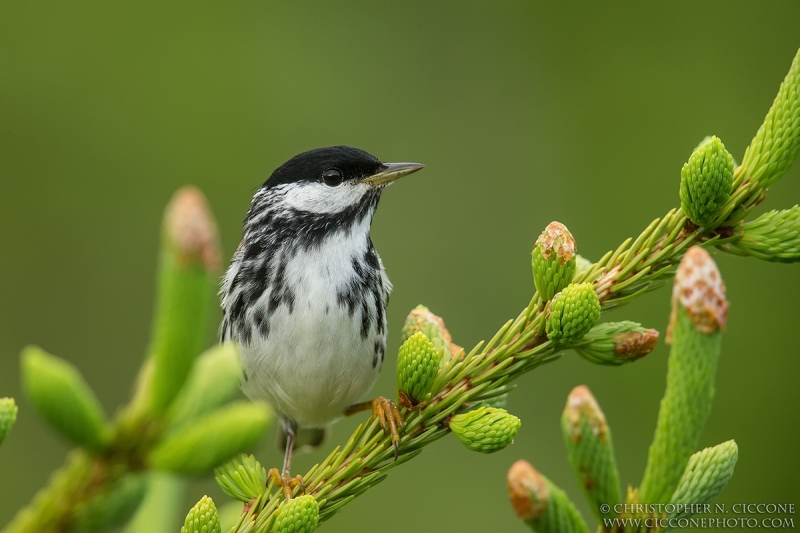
(211, 440)
(298, 515)
(774, 236)
(214, 380)
(8, 415)
(617, 343)
(417, 366)
(590, 449)
(242, 478)
(203, 518)
(58, 391)
(112, 506)
(553, 260)
(707, 473)
(572, 313)
(541, 504)
(699, 312)
(421, 319)
(485, 429)
(777, 143)
(190, 259)
(706, 182)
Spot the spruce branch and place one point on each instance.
(706, 474)
(636, 266)
(106, 479)
(774, 236)
(61, 395)
(189, 252)
(777, 143)
(544, 507)
(587, 437)
(699, 312)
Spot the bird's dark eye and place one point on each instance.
(332, 177)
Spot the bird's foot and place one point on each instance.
(390, 419)
(387, 414)
(286, 482)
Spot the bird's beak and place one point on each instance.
(391, 172)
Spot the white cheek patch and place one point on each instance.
(316, 197)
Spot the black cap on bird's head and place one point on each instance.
(337, 165)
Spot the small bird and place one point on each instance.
(305, 295)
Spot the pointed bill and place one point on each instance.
(391, 172)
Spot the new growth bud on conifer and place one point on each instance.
(298, 515)
(774, 236)
(553, 260)
(417, 366)
(590, 449)
(190, 260)
(617, 343)
(242, 478)
(707, 473)
(203, 518)
(211, 439)
(573, 312)
(485, 429)
(699, 292)
(706, 182)
(61, 395)
(777, 143)
(422, 319)
(541, 504)
(699, 313)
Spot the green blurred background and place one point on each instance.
(523, 113)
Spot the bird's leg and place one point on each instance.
(387, 413)
(283, 479)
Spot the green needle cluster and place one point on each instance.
(617, 343)
(417, 366)
(422, 319)
(590, 450)
(242, 478)
(167, 427)
(777, 143)
(699, 312)
(179, 421)
(706, 182)
(298, 515)
(485, 429)
(541, 504)
(553, 260)
(202, 518)
(486, 372)
(774, 236)
(573, 312)
(674, 473)
(707, 473)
